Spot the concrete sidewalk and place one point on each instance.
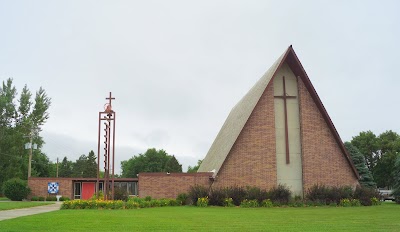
(14, 213)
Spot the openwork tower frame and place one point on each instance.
(107, 129)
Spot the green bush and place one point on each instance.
(64, 198)
(217, 197)
(34, 198)
(41, 198)
(147, 198)
(280, 194)
(267, 203)
(249, 203)
(51, 198)
(183, 199)
(345, 202)
(16, 189)
(228, 202)
(255, 193)
(355, 202)
(202, 202)
(196, 192)
(120, 194)
(328, 195)
(365, 194)
(238, 194)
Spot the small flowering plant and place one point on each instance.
(202, 202)
(228, 202)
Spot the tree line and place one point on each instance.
(377, 158)
(21, 118)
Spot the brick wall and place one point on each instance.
(39, 186)
(163, 185)
(252, 159)
(323, 161)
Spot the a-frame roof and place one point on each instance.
(241, 112)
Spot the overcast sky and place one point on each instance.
(176, 68)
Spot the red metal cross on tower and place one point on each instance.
(285, 96)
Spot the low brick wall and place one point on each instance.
(39, 186)
(163, 185)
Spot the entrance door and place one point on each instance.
(88, 190)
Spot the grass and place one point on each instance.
(21, 204)
(377, 218)
(4, 199)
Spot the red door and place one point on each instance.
(88, 190)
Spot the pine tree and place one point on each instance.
(65, 169)
(366, 178)
(91, 165)
(173, 165)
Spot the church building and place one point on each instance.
(280, 133)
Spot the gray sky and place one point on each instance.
(177, 68)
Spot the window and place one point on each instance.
(77, 190)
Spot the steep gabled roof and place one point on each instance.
(241, 112)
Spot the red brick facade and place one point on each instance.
(252, 159)
(39, 186)
(323, 160)
(163, 185)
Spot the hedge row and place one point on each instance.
(281, 195)
(132, 203)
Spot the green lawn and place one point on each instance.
(4, 199)
(377, 218)
(20, 204)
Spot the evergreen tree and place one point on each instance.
(173, 165)
(91, 165)
(359, 162)
(65, 169)
(79, 167)
(194, 168)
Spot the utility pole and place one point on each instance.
(30, 146)
(57, 168)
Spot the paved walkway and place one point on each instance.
(14, 213)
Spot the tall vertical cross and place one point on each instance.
(284, 97)
(109, 99)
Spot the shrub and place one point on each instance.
(16, 189)
(249, 203)
(173, 202)
(147, 198)
(202, 202)
(217, 197)
(328, 195)
(101, 196)
(64, 198)
(51, 198)
(267, 203)
(375, 201)
(196, 192)
(228, 202)
(317, 193)
(238, 194)
(345, 202)
(254, 193)
(120, 194)
(334, 194)
(280, 194)
(355, 202)
(182, 199)
(41, 198)
(365, 194)
(34, 198)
